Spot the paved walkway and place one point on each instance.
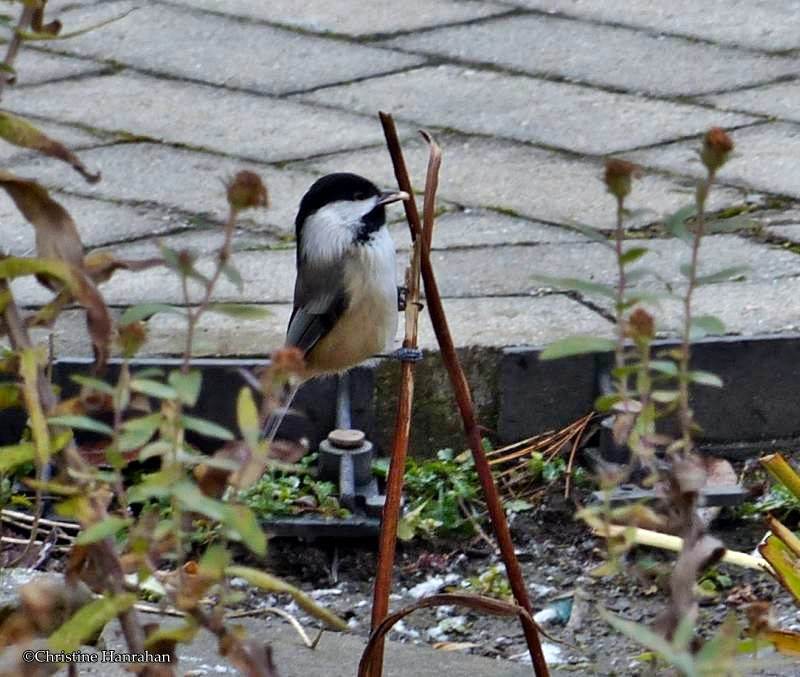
(526, 97)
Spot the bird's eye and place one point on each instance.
(360, 196)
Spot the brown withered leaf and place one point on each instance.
(56, 234)
(101, 265)
(38, 25)
(57, 238)
(98, 320)
(20, 132)
(693, 560)
(250, 656)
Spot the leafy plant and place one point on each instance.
(492, 582)
(169, 528)
(281, 493)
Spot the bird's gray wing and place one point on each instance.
(319, 301)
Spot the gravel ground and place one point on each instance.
(556, 554)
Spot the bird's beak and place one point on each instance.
(390, 196)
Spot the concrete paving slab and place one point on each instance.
(781, 100)
(630, 60)
(767, 158)
(172, 177)
(790, 232)
(201, 240)
(234, 123)
(178, 42)
(99, 222)
(462, 273)
(748, 308)
(35, 67)
(353, 17)
(528, 181)
(484, 322)
(767, 26)
(562, 115)
(477, 228)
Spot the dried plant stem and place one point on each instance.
(193, 315)
(473, 433)
(576, 442)
(394, 481)
(655, 539)
(684, 408)
(25, 18)
(619, 305)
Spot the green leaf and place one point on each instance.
(247, 417)
(675, 223)
(703, 325)
(666, 367)
(88, 621)
(144, 311)
(517, 505)
(207, 428)
(605, 402)
(17, 454)
(137, 432)
(172, 635)
(633, 254)
(10, 395)
(153, 388)
(643, 635)
(93, 383)
(664, 396)
(97, 532)
(81, 423)
(243, 525)
(233, 276)
(576, 345)
(592, 233)
(705, 378)
(574, 284)
(733, 273)
(735, 223)
(186, 385)
(270, 583)
(242, 311)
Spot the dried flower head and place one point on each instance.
(716, 150)
(641, 325)
(619, 177)
(288, 361)
(131, 337)
(246, 190)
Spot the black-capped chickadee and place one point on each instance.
(345, 296)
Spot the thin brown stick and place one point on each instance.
(473, 432)
(571, 461)
(25, 18)
(402, 430)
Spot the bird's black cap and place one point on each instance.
(333, 188)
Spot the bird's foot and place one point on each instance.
(407, 354)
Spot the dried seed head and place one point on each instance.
(246, 190)
(716, 150)
(288, 361)
(619, 177)
(131, 338)
(641, 325)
